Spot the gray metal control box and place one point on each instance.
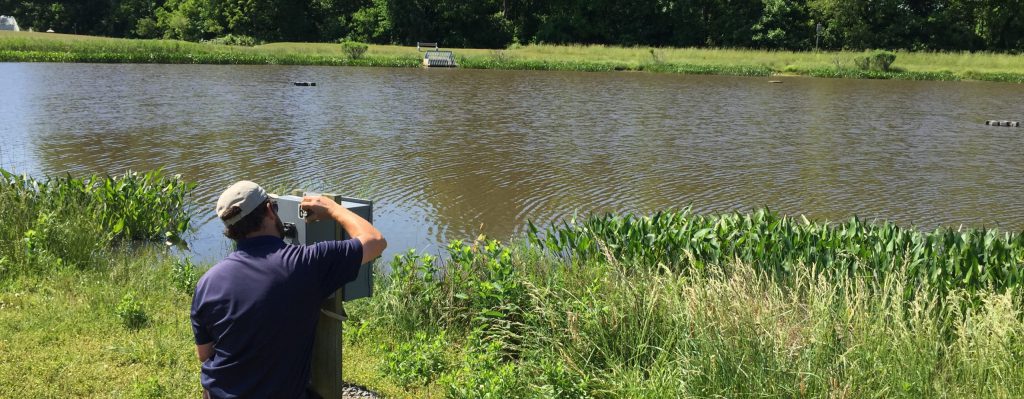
(326, 364)
(298, 232)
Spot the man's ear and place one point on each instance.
(270, 215)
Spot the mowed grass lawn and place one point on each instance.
(922, 65)
(61, 335)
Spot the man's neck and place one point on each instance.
(265, 231)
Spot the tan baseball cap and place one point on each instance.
(245, 195)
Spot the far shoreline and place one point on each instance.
(963, 66)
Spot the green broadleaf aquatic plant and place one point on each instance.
(945, 258)
(69, 220)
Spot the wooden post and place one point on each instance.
(326, 367)
(326, 363)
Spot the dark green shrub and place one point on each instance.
(875, 61)
(354, 50)
(657, 57)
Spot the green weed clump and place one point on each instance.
(485, 294)
(418, 361)
(483, 373)
(185, 276)
(131, 313)
(150, 388)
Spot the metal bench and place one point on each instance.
(421, 45)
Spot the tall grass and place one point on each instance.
(518, 322)
(42, 47)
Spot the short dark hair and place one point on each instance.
(248, 224)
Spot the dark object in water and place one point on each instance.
(1003, 123)
(304, 83)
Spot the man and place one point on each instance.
(254, 313)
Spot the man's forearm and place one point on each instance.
(353, 224)
(358, 228)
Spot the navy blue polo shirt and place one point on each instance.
(259, 307)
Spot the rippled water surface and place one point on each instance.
(454, 153)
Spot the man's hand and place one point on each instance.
(319, 208)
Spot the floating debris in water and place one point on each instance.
(1003, 123)
(304, 83)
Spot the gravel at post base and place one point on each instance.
(356, 391)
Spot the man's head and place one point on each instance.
(247, 210)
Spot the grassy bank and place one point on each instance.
(69, 332)
(673, 305)
(42, 47)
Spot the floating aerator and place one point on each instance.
(1003, 123)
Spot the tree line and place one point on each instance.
(973, 25)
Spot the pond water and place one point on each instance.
(450, 154)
